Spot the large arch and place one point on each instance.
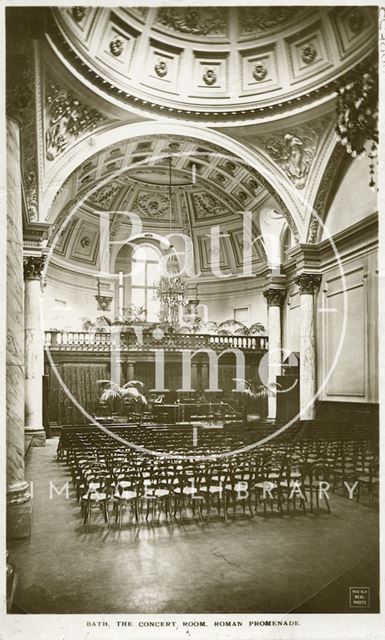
(99, 141)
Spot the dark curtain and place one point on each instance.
(81, 382)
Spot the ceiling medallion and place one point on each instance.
(219, 177)
(153, 205)
(209, 77)
(78, 13)
(161, 69)
(308, 53)
(85, 242)
(355, 20)
(242, 195)
(230, 166)
(259, 71)
(116, 46)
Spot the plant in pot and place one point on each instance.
(114, 398)
(110, 394)
(252, 394)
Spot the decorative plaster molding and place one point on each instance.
(301, 97)
(198, 21)
(67, 119)
(33, 267)
(274, 297)
(293, 151)
(325, 189)
(257, 19)
(104, 303)
(308, 283)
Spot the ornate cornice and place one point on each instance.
(274, 297)
(308, 282)
(33, 267)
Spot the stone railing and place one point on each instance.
(97, 341)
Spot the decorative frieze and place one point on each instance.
(198, 21)
(257, 19)
(274, 297)
(308, 282)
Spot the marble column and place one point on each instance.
(18, 495)
(34, 349)
(130, 371)
(194, 376)
(308, 284)
(275, 298)
(205, 376)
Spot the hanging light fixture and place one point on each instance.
(171, 289)
(357, 114)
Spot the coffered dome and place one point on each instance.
(224, 64)
(208, 188)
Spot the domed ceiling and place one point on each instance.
(227, 63)
(208, 188)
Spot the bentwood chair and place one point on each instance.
(126, 495)
(96, 497)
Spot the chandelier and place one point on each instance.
(171, 289)
(171, 293)
(357, 115)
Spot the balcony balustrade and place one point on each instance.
(124, 341)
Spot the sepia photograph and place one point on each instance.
(191, 294)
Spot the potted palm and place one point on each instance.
(128, 396)
(252, 392)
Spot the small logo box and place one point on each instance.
(359, 597)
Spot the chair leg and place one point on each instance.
(250, 505)
(107, 515)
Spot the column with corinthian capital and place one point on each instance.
(275, 298)
(18, 493)
(33, 349)
(308, 284)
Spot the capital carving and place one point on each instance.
(104, 303)
(33, 267)
(274, 297)
(308, 282)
